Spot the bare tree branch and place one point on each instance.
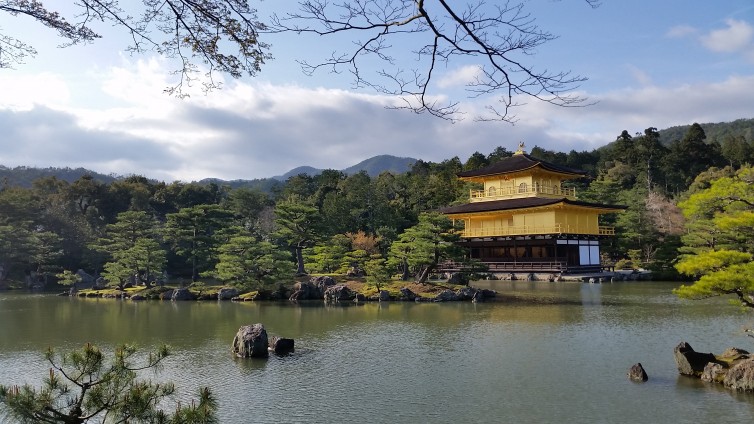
(495, 39)
(217, 35)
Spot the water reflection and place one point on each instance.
(547, 352)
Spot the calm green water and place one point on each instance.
(552, 353)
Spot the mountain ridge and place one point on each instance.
(373, 166)
(23, 176)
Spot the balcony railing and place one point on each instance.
(522, 190)
(532, 230)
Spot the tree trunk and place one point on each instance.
(404, 275)
(300, 261)
(424, 274)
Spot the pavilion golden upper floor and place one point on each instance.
(524, 196)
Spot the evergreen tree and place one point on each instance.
(196, 232)
(299, 225)
(690, 156)
(248, 262)
(723, 266)
(427, 244)
(84, 385)
(133, 244)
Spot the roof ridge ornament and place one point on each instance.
(521, 148)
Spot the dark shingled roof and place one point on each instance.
(526, 202)
(519, 162)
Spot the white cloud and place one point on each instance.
(459, 77)
(261, 130)
(736, 37)
(640, 76)
(22, 91)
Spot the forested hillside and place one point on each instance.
(135, 229)
(720, 132)
(24, 176)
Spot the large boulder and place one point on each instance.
(384, 296)
(305, 290)
(314, 289)
(407, 294)
(478, 296)
(99, 284)
(323, 282)
(227, 293)
(251, 342)
(338, 293)
(446, 296)
(466, 293)
(182, 294)
(86, 280)
(690, 362)
(740, 376)
(734, 368)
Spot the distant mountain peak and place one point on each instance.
(373, 166)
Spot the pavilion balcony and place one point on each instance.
(554, 265)
(523, 190)
(524, 230)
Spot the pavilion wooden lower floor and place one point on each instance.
(545, 253)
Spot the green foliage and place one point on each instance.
(719, 244)
(83, 386)
(299, 225)
(427, 244)
(195, 234)
(735, 279)
(624, 264)
(378, 271)
(247, 205)
(720, 216)
(68, 278)
(329, 256)
(250, 263)
(711, 261)
(56, 223)
(691, 155)
(133, 246)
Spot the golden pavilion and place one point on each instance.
(526, 220)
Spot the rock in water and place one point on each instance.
(690, 362)
(637, 373)
(251, 342)
(713, 373)
(741, 376)
(281, 346)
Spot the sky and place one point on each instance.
(649, 63)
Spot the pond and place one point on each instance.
(549, 352)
